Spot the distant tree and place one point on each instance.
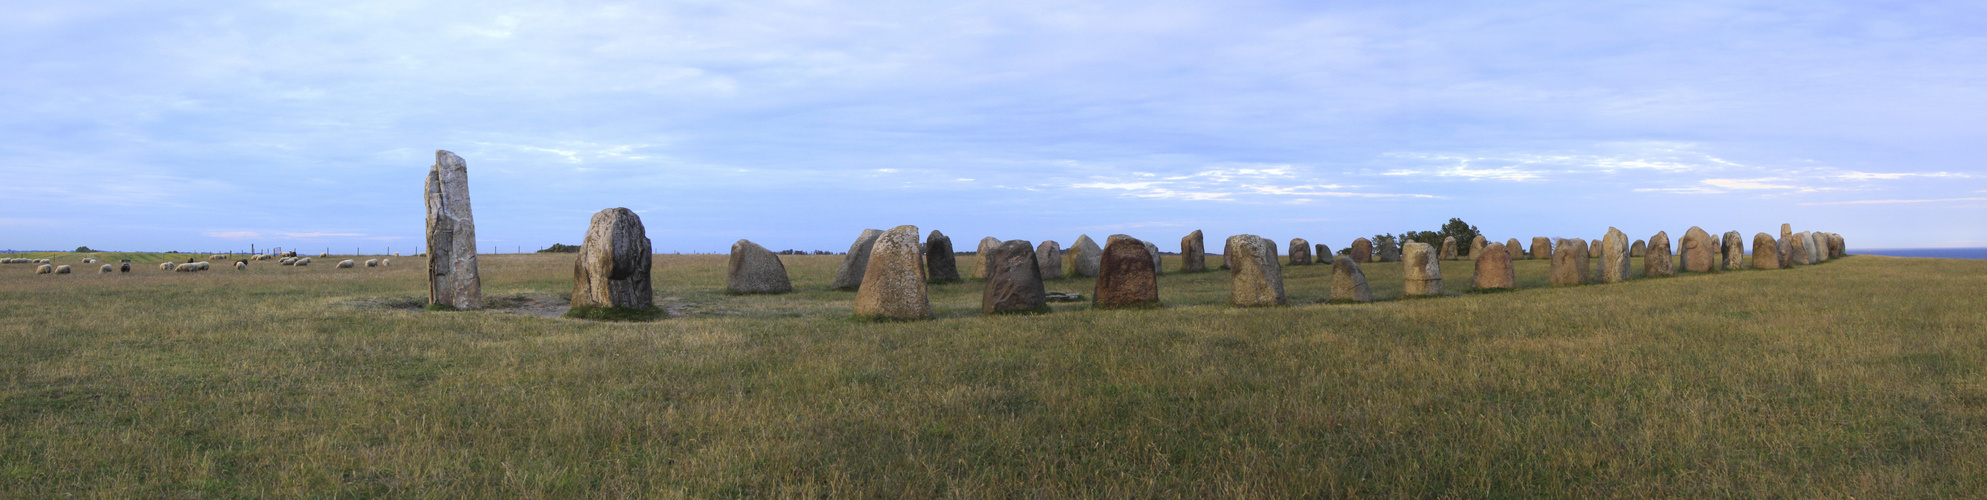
(561, 248)
(1463, 232)
(84, 249)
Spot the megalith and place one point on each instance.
(1125, 277)
(754, 269)
(1493, 268)
(1014, 283)
(1797, 249)
(1476, 245)
(855, 265)
(1421, 269)
(1323, 255)
(1733, 251)
(453, 279)
(1813, 247)
(1256, 279)
(1390, 251)
(1158, 260)
(1193, 253)
(893, 280)
(1657, 262)
(1362, 251)
(1085, 256)
(1541, 247)
(612, 269)
(1048, 256)
(1638, 249)
(983, 257)
(1448, 248)
(1699, 252)
(1348, 282)
(1786, 230)
(1300, 252)
(941, 265)
(1513, 249)
(1568, 263)
(1614, 256)
(1765, 252)
(1587, 254)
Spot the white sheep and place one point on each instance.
(167, 266)
(324, 255)
(44, 269)
(89, 261)
(217, 257)
(262, 257)
(345, 264)
(241, 265)
(105, 269)
(62, 269)
(303, 262)
(202, 264)
(385, 262)
(372, 262)
(185, 268)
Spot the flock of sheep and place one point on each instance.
(48, 267)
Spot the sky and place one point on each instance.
(211, 126)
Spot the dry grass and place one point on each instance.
(1857, 378)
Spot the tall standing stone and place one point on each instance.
(1733, 249)
(1421, 269)
(1390, 251)
(1323, 255)
(1300, 252)
(1587, 253)
(1798, 249)
(1657, 262)
(1786, 230)
(1784, 248)
(1125, 277)
(1348, 282)
(1614, 256)
(1256, 279)
(983, 257)
(1568, 263)
(1541, 247)
(1512, 249)
(1700, 252)
(1493, 268)
(941, 265)
(1638, 249)
(1476, 245)
(1048, 256)
(1765, 252)
(1362, 250)
(1158, 260)
(1014, 283)
(1193, 253)
(1448, 248)
(893, 280)
(612, 269)
(1085, 256)
(754, 269)
(855, 265)
(453, 279)
(1814, 247)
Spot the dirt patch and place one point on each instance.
(536, 305)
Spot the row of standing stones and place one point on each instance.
(890, 270)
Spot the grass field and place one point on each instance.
(1861, 377)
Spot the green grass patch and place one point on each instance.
(617, 313)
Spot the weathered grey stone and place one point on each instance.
(1193, 253)
(1784, 248)
(1657, 262)
(1014, 283)
(1569, 266)
(1638, 249)
(1733, 250)
(453, 279)
(1390, 251)
(1125, 277)
(1814, 248)
(1300, 252)
(1048, 256)
(1085, 256)
(1541, 247)
(893, 282)
(1699, 253)
(1476, 245)
(1797, 248)
(1323, 255)
(1448, 248)
(1362, 251)
(754, 269)
(941, 265)
(1786, 231)
(612, 269)
(1493, 268)
(1587, 268)
(1513, 249)
(983, 257)
(855, 265)
(1837, 245)
(1614, 257)
(1348, 282)
(1158, 260)
(1421, 269)
(1256, 279)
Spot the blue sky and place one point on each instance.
(212, 125)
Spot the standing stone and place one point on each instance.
(1587, 254)
(983, 257)
(1362, 251)
(754, 269)
(1348, 282)
(1814, 247)
(1783, 248)
(1512, 249)
(1476, 245)
(1733, 249)
(1158, 260)
(1614, 256)
(1085, 256)
(1048, 256)
(1765, 252)
(940, 263)
(613, 265)
(1448, 248)
(1193, 253)
(1657, 262)
(1639, 249)
(1541, 247)
(855, 265)
(1014, 283)
(1786, 230)
(1300, 252)
(1699, 251)
(453, 279)
(1493, 268)
(1421, 270)
(893, 281)
(1837, 245)
(1125, 277)
(1798, 249)
(1256, 278)
(1568, 263)
(1323, 255)
(1390, 251)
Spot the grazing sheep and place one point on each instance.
(241, 265)
(167, 266)
(125, 267)
(185, 268)
(106, 269)
(303, 262)
(202, 265)
(324, 255)
(262, 257)
(385, 262)
(61, 269)
(345, 264)
(372, 262)
(7, 260)
(44, 269)
(89, 261)
(217, 257)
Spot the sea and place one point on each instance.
(1940, 253)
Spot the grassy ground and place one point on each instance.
(1857, 378)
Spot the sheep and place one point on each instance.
(303, 262)
(324, 255)
(202, 264)
(44, 269)
(217, 257)
(261, 257)
(288, 261)
(89, 261)
(345, 264)
(125, 267)
(106, 269)
(385, 262)
(165, 266)
(372, 262)
(241, 265)
(62, 269)
(185, 268)
(7, 260)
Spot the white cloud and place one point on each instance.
(1891, 202)
(1765, 183)
(1861, 176)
